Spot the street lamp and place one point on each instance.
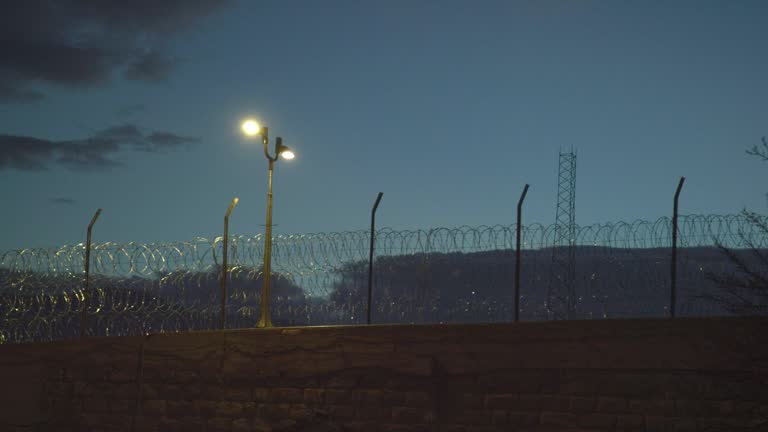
(251, 128)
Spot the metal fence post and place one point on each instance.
(86, 292)
(673, 288)
(370, 255)
(517, 252)
(225, 249)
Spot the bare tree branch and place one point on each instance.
(743, 291)
(760, 151)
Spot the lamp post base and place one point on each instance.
(264, 323)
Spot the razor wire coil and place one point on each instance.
(143, 287)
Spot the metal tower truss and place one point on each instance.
(561, 293)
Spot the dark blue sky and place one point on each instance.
(448, 107)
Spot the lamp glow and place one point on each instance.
(250, 127)
(287, 154)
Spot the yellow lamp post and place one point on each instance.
(251, 128)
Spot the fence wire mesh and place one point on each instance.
(462, 274)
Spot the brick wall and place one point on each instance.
(617, 375)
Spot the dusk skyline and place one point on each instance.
(449, 108)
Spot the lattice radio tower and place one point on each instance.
(562, 281)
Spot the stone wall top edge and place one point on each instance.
(478, 332)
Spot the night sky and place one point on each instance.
(448, 107)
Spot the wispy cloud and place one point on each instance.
(10, 94)
(63, 201)
(130, 110)
(97, 152)
(152, 66)
(85, 42)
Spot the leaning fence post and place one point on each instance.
(225, 248)
(673, 288)
(86, 292)
(370, 254)
(517, 252)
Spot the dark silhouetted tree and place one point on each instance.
(744, 291)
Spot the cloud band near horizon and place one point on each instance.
(97, 152)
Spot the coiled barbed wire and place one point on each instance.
(435, 275)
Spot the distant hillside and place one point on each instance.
(609, 281)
